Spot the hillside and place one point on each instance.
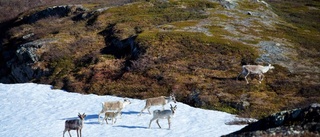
(193, 48)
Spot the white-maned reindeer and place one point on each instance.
(255, 69)
(116, 106)
(111, 116)
(163, 114)
(75, 124)
(162, 100)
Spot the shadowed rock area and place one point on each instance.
(300, 121)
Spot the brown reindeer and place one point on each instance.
(75, 124)
(162, 100)
(111, 116)
(114, 106)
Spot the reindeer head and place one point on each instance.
(271, 67)
(127, 101)
(173, 109)
(173, 98)
(82, 116)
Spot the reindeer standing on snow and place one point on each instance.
(255, 69)
(116, 106)
(75, 124)
(163, 114)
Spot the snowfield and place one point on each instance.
(36, 110)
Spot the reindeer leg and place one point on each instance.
(246, 77)
(149, 110)
(259, 78)
(112, 121)
(150, 122)
(69, 133)
(239, 76)
(169, 122)
(99, 116)
(119, 112)
(142, 110)
(64, 132)
(262, 76)
(158, 123)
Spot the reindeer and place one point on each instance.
(255, 69)
(111, 116)
(75, 124)
(163, 114)
(162, 100)
(113, 106)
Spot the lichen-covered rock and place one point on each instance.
(228, 4)
(27, 52)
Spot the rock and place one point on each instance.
(228, 4)
(27, 36)
(276, 53)
(291, 122)
(194, 98)
(27, 52)
(22, 66)
(60, 11)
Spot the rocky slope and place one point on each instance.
(149, 48)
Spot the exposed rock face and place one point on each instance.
(27, 52)
(277, 53)
(60, 11)
(23, 65)
(228, 4)
(299, 121)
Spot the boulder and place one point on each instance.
(27, 52)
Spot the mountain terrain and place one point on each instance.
(194, 49)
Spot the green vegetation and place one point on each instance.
(305, 16)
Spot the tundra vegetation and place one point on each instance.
(194, 49)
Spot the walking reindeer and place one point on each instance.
(255, 69)
(162, 100)
(163, 114)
